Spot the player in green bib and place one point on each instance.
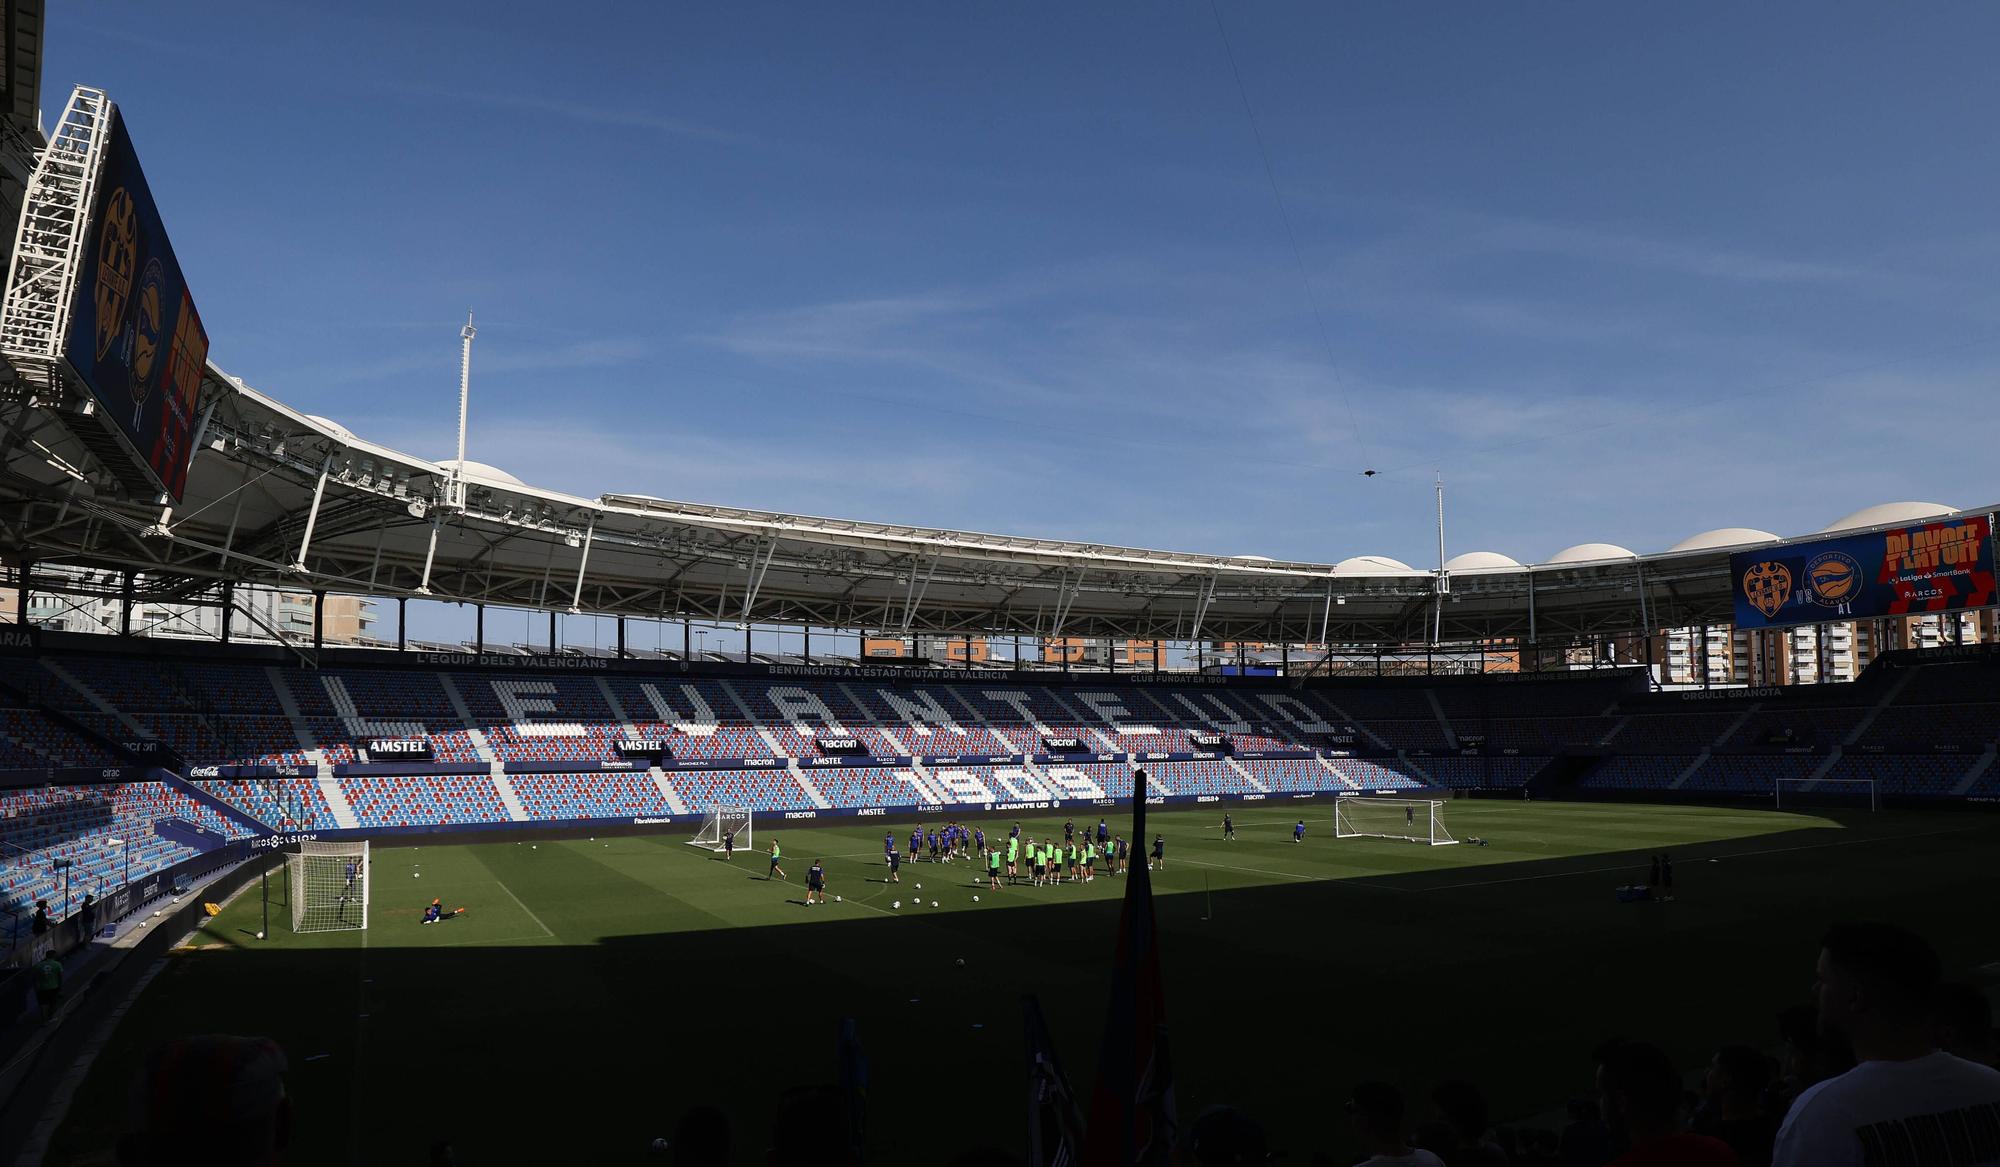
(993, 869)
(1013, 855)
(1089, 862)
(775, 869)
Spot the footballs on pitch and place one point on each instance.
(837, 900)
(897, 904)
(975, 899)
(961, 962)
(934, 903)
(920, 887)
(260, 935)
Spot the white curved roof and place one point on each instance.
(1370, 565)
(1722, 537)
(483, 470)
(1591, 553)
(1882, 514)
(338, 430)
(1481, 561)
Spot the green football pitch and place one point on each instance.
(597, 988)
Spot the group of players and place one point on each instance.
(1019, 858)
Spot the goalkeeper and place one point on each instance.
(435, 914)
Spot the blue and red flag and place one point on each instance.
(1055, 1125)
(1132, 1118)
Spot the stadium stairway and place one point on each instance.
(1979, 768)
(806, 784)
(1694, 767)
(508, 797)
(480, 745)
(1247, 776)
(667, 791)
(233, 814)
(336, 799)
(182, 833)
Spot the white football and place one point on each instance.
(920, 887)
(897, 904)
(260, 935)
(838, 900)
(934, 903)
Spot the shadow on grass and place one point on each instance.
(1509, 982)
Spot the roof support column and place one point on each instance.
(479, 628)
(125, 606)
(1534, 646)
(402, 622)
(228, 607)
(312, 516)
(589, 535)
(319, 618)
(21, 596)
(621, 638)
(553, 646)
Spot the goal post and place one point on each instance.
(1825, 793)
(723, 821)
(1417, 820)
(329, 886)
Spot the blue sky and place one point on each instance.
(1621, 273)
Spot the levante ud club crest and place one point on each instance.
(1767, 586)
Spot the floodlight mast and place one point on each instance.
(457, 487)
(454, 483)
(1443, 587)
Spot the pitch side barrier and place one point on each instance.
(418, 835)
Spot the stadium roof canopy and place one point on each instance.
(386, 523)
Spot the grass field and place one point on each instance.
(597, 988)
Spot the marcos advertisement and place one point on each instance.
(1930, 567)
(135, 339)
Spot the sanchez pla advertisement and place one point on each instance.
(1944, 566)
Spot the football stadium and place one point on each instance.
(972, 847)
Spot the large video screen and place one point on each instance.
(135, 339)
(1907, 571)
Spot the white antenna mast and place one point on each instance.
(1443, 580)
(457, 490)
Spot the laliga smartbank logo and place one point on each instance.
(1767, 586)
(1832, 579)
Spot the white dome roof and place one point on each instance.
(1886, 513)
(1590, 552)
(1370, 565)
(339, 431)
(482, 470)
(1723, 537)
(1481, 561)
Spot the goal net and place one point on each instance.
(1361, 816)
(329, 886)
(722, 822)
(1825, 794)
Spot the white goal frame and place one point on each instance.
(323, 898)
(1426, 822)
(1839, 786)
(719, 820)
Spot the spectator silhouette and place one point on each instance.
(1877, 985)
(1462, 1135)
(1377, 1110)
(1733, 1108)
(212, 1100)
(1223, 1136)
(1642, 1099)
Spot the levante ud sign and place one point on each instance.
(1905, 571)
